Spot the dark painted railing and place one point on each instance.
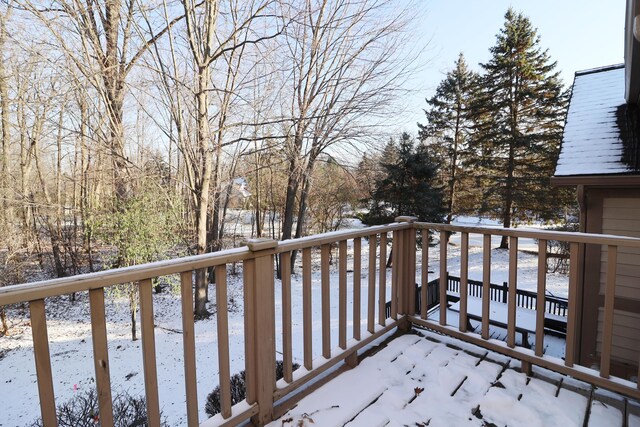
(526, 299)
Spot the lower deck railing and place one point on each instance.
(525, 299)
(368, 318)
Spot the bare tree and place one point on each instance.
(211, 40)
(347, 69)
(5, 206)
(100, 39)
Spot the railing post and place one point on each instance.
(406, 267)
(260, 327)
(505, 292)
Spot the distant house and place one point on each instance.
(600, 155)
(238, 192)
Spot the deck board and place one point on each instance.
(426, 380)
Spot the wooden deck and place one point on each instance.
(430, 380)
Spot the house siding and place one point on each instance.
(621, 216)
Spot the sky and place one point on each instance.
(579, 34)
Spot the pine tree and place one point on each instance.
(447, 131)
(519, 115)
(408, 185)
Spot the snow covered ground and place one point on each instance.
(71, 349)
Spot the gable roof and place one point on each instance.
(601, 132)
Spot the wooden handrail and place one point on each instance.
(104, 279)
(563, 236)
(258, 274)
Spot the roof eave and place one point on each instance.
(596, 180)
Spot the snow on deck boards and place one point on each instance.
(425, 380)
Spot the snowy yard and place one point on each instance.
(71, 348)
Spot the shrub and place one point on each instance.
(558, 252)
(83, 411)
(238, 389)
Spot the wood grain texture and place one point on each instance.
(342, 294)
(609, 299)
(382, 281)
(307, 330)
(149, 353)
(43, 362)
(443, 278)
(101, 355)
(189, 347)
(357, 283)
(222, 318)
(541, 295)
(464, 280)
(325, 303)
(513, 284)
(486, 284)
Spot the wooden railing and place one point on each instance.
(258, 260)
(601, 377)
(526, 299)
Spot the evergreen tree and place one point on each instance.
(407, 186)
(447, 131)
(519, 116)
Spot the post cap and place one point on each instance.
(406, 218)
(261, 244)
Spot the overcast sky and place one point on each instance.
(580, 34)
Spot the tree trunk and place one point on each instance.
(508, 200)
(5, 215)
(293, 183)
(454, 164)
(302, 208)
(133, 310)
(202, 189)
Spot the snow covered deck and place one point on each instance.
(428, 379)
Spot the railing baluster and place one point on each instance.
(149, 353)
(410, 286)
(572, 315)
(395, 252)
(464, 280)
(342, 294)
(43, 362)
(248, 272)
(425, 273)
(382, 280)
(101, 355)
(486, 284)
(223, 340)
(287, 346)
(540, 301)
(371, 293)
(357, 260)
(513, 277)
(609, 300)
(306, 308)
(443, 278)
(326, 314)
(189, 344)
